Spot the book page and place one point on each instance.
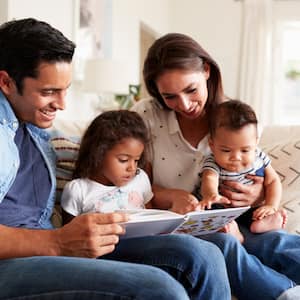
(151, 222)
(145, 222)
(141, 215)
(209, 221)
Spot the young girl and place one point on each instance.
(106, 176)
(233, 141)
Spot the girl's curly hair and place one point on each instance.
(105, 131)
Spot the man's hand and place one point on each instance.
(90, 235)
(243, 195)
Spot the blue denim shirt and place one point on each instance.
(10, 156)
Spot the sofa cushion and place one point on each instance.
(66, 136)
(286, 161)
(66, 149)
(282, 143)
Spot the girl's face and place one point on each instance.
(183, 91)
(234, 150)
(120, 163)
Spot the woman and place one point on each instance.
(185, 83)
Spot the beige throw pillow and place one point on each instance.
(286, 161)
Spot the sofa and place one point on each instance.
(282, 143)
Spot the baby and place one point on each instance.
(233, 142)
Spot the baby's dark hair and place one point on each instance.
(231, 114)
(106, 131)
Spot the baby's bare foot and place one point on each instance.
(284, 216)
(275, 221)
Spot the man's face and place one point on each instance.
(42, 96)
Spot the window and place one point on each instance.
(287, 74)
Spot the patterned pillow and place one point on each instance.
(66, 149)
(286, 161)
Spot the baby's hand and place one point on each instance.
(206, 203)
(263, 212)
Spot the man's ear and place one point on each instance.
(6, 82)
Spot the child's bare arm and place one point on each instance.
(273, 192)
(209, 184)
(209, 190)
(273, 188)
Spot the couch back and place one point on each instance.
(281, 143)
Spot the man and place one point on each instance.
(42, 263)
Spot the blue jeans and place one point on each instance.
(277, 249)
(197, 266)
(249, 278)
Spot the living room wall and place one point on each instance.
(126, 18)
(215, 24)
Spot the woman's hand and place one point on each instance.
(243, 195)
(90, 235)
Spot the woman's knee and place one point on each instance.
(193, 247)
(200, 253)
(225, 242)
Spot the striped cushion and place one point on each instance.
(66, 149)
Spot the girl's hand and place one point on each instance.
(183, 202)
(177, 200)
(243, 195)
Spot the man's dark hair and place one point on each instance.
(231, 114)
(25, 43)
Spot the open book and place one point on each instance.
(155, 221)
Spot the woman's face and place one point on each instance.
(183, 91)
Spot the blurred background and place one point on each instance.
(255, 42)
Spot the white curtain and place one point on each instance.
(255, 66)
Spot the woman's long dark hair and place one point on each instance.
(179, 51)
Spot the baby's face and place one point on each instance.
(234, 150)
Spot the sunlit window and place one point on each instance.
(289, 77)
